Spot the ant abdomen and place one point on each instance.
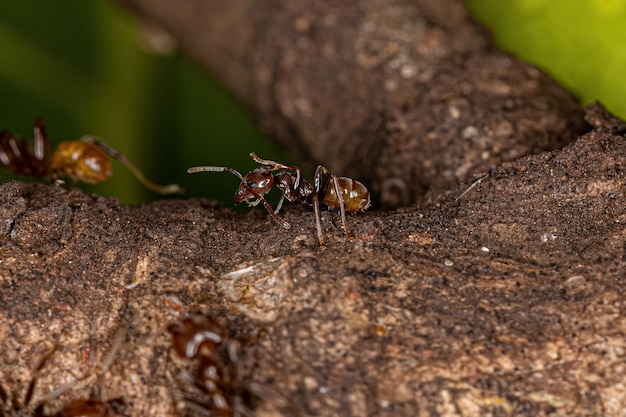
(355, 196)
(81, 161)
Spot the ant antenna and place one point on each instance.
(160, 189)
(258, 197)
(193, 170)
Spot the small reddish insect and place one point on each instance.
(85, 160)
(219, 387)
(354, 196)
(92, 408)
(219, 375)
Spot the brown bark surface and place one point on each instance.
(506, 299)
(503, 297)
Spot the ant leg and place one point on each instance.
(278, 166)
(161, 189)
(342, 209)
(233, 348)
(267, 206)
(41, 144)
(316, 210)
(7, 147)
(280, 204)
(108, 360)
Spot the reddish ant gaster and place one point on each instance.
(355, 197)
(85, 160)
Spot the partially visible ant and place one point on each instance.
(221, 387)
(85, 407)
(92, 408)
(86, 159)
(355, 197)
(218, 376)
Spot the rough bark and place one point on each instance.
(410, 97)
(505, 299)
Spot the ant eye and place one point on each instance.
(252, 184)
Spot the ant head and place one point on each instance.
(256, 183)
(81, 161)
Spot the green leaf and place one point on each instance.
(582, 44)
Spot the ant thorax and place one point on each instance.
(286, 183)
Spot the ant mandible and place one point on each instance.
(327, 187)
(86, 159)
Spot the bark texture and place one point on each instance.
(410, 97)
(504, 296)
(506, 299)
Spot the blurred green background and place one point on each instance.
(80, 66)
(580, 43)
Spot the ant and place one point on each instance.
(355, 197)
(218, 378)
(219, 374)
(86, 159)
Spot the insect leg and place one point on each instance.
(161, 189)
(342, 209)
(316, 209)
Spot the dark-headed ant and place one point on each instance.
(218, 379)
(85, 160)
(327, 186)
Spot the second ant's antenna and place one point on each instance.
(193, 170)
(161, 189)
